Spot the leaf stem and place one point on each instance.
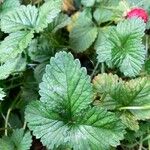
(102, 68)
(24, 125)
(6, 122)
(95, 68)
(135, 108)
(2, 129)
(141, 143)
(146, 45)
(8, 113)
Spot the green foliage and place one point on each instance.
(12, 66)
(7, 6)
(102, 15)
(83, 34)
(88, 3)
(64, 111)
(52, 50)
(130, 97)
(24, 17)
(14, 44)
(19, 140)
(123, 48)
(29, 17)
(47, 12)
(59, 22)
(39, 49)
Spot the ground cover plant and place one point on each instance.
(74, 75)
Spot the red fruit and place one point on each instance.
(138, 12)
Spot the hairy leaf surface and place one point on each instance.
(132, 96)
(124, 47)
(14, 44)
(63, 117)
(83, 33)
(23, 17)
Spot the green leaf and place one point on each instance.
(94, 130)
(66, 79)
(8, 5)
(102, 15)
(63, 116)
(2, 94)
(6, 144)
(108, 2)
(88, 3)
(19, 140)
(14, 44)
(47, 12)
(123, 47)
(59, 22)
(12, 66)
(39, 71)
(40, 49)
(83, 34)
(24, 17)
(130, 121)
(132, 96)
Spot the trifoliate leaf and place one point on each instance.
(12, 66)
(19, 140)
(63, 117)
(83, 33)
(14, 44)
(124, 47)
(2, 94)
(88, 3)
(132, 96)
(8, 5)
(47, 12)
(23, 17)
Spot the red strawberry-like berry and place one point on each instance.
(138, 12)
